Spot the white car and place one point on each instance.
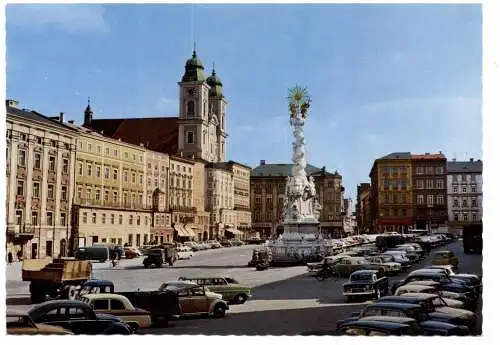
(184, 253)
(409, 289)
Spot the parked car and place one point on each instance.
(405, 252)
(184, 253)
(226, 243)
(466, 298)
(390, 267)
(445, 257)
(347, 265)
(182, 284)
(437, 310)
(193, 245)
(398, 258)
(120, 306)
(406, 289)
(231, 291)
(472, 279)
(330, 260)
(446, 283)
(20, 323)
(366, 283)
(159, 255)
(214, 244)
(78, 317)
(375, 328)
(194, 299)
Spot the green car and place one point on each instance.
(231, 291)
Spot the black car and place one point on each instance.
(366, 283)
(445, 282)
(447, 315)
(78, 317)
(375, 328)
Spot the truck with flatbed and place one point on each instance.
(54, 277)
(158, 255)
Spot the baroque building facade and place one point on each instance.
(40, 183)
(267, 193)
(465, 193)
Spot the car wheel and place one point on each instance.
(240, 299)
(219, 310)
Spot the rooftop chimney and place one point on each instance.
(427, 153)
(262, 162)
(12, 103)
(61, 117)
(471, 160)
(71, 121)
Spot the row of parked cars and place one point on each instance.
(431, 301)
(96, 308)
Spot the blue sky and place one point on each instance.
(382, 78)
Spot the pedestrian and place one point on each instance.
(10, 259)
(19, 255)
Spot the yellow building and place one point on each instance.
(110, 199)
(241, 178)
(202, 217)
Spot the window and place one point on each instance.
(98, 149)
(80, 169)
(36, 190)
(473, 188)
(404, 184)
(430, 184)
(34, 218)
(106, 172)
(190, 108)
(49, 218)
(64, 193)
(52, 163)
(420, 199)
(89, 169)
(115, 174)
(101, 304)
(429, 170)
(149, 181)
(440, 200)
(89, 194)
(48, 248)
(19, 217)
(94, 218)
(439, 170)
(474, 216)
(89, 147)
(455, 189)
(464, 189)
(474, 202)
(21, 158)
(430, 199)
(455, 202)
(112, 221)
(115, 197)
(420, 184)
(97, 171)
(103, 218)
(125, 176)
(117, 305)
(439, 184)
(138, 240)
(464, 202)
(115, 153)
(465, 217)
(20, 188)
(84, 218)
(420, 170)
(62, 219)
(50, 191)
(65, 166)
(125, 154)
(133, 178)
(106, 150)
(386, 184)
(80, 145)
(38, 161)
(106, 195)
(138, 220)
(455, 216)
(189, 137)
(120, 219)
(98, 194)
(131, 220)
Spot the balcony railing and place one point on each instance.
(182, 209)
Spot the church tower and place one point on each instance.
(87, 116)
(201, 105)
(217, 109)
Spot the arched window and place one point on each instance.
(190, 108)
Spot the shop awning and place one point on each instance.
(184, 231)
(189, 231)
(234, 231)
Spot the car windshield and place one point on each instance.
(361, 276)
(231, 280)
(386, 259)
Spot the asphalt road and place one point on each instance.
(297, 304)
(286, 301)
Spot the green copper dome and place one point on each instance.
(215, 85)
(194, 70)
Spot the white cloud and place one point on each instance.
(165, 104)
(71, 18)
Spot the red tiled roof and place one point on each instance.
(156, 133)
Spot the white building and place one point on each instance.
(465, 192)
(40, 169)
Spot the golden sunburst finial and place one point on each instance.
(298, 98)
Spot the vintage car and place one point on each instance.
(366, 283)
(390, 267)
(411, 252)
(195, 299)
(472, 279)
(159, 255)
(78, 317)
(347, 265)
(376, 328)
(120, 306)
(20, 323)
(466, 298)
(330, 260)
(184, 253)
(445, 282)
(426, 328)
(132, 252)
(435, 308)
(406, 289)
(214, 244)
(445, 257)
(231, 291)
